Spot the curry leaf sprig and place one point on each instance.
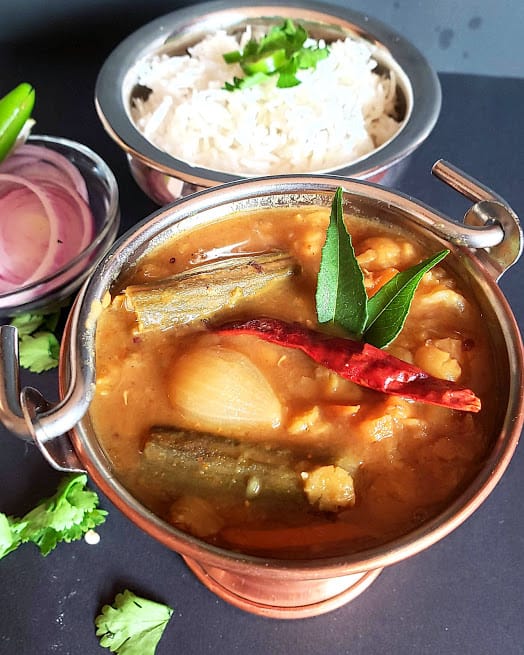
(341, 296)
(132, 625)
(65, 516)
(280, 52)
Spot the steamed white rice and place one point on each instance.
(339, 113)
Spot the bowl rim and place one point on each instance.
(108, 229)
(75, 356)
(111, 105)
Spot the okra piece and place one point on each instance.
(186, 462)
(205, 291)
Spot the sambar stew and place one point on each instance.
(254, 446)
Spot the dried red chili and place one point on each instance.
(359, 362)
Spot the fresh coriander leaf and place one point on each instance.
(231, 86)
(232, 57)
(65, 516)
(289, 36)
(267, 64)
(280, 52)
(245, 82)
(250, 50)
(132, 625)
(9, 535)
(309, 57)
(39, 348)
(51, 321)
(65, 508)
(49, 538)
(305, 58)
(15, 111)
(27, 323)
(60, 519)
(39, 352)
(340, 295)
(287, 76)
(389, 307)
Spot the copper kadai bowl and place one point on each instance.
(486, 244)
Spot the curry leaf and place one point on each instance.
(340, 296)
(389, 307)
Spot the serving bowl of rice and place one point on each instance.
(169, 97)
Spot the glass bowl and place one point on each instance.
(50, 292)
(164, 178)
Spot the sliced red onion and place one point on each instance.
(14, 161)
(41, 171)
(23, 220)
(75, 233)
(45, 219)
(61, 163)
(42, 265)
(6, 286)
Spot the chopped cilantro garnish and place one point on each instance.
(132, 625)
(65, 516)
(39, 348)
(281, 52)
(39, 352)
(9, 534)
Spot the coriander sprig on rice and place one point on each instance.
(280, 52)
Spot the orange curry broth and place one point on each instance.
(406, 460)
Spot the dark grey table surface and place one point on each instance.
(463, 595)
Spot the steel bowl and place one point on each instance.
(485, 245)
(165, 178)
